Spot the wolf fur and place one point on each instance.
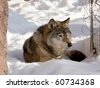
(49, 41)
(75, 55)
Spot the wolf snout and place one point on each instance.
(69, 44)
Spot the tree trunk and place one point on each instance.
(3, 37)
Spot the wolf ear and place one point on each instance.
(52, 23)
(66, 22)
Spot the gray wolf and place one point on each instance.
(51, 40)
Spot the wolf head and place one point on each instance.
(58, 35)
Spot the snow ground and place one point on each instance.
(26, 17)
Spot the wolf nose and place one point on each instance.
(69, 44)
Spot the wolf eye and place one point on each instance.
(60, 35)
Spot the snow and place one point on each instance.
(26, 17)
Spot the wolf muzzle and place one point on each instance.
(69, 44)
